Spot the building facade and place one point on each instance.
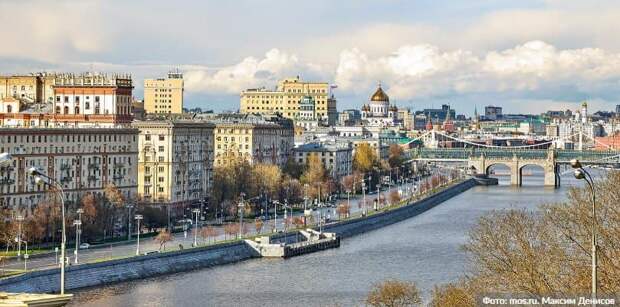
(379, 112)
(337, 157)
(255, 138)
(164, 95)
(82, 160)
(175, 161)
(33, 88)
(92, 100)
(286, 100)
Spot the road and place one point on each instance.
(114, 251)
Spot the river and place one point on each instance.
(424, 249)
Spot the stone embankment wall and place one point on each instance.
(375, 221)
(96, 274)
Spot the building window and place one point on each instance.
(66, 110)
(87, 106)
(161, 148)
(147, 137)
(96, 98)
(162, 137)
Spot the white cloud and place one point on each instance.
(249, 73)
(423, 71)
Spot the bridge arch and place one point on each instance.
(530, 169)
(492, 165)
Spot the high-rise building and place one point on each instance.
(618, 108)
(287, 98)
(82, 160)
(164, 95)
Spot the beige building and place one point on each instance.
(32, 88)
(82, 160)
(175, 161)
(164, 95)
(286, 100)
(257, 139)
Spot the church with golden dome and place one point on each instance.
(378, 111)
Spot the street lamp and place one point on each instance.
(582, 174)
(241, 207)
(77, 224)
(197, 212)
(20, 219)
(138, 218)
(41, 178)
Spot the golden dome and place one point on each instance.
(380, 95)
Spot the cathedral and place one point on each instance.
(379, 112)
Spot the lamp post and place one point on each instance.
(241, 207)
(20, 219)
(582, 174)
(129, 207)
(349, 199)
(197, 212)
(138, 218)
(364, 197)
(41, 178)
(77, 224)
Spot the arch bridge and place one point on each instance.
(482, 157)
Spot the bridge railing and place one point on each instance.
(535, 154)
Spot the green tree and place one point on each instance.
(395, 158)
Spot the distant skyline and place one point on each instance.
(526, 56)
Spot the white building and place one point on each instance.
(379, 112)
(337, 157)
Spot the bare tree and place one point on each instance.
(394, 293)
(162, 238)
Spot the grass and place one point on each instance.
(30, 252)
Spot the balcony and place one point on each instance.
(6, 181)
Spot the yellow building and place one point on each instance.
(32, 88)
(257, 139)
(175, 159)
(287, 97)
(164, 95)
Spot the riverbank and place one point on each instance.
(88, 275)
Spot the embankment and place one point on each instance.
(113, 271)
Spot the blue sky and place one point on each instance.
(526, 55)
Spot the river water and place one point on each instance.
(423, 249)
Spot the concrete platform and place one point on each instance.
(33, 299)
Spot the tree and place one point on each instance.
(208, 232)
(365, 158)
(452, 294)
(548, 252)
(394, 293)
(395, 158)
(258, 225)
(315, 176)
(394, 197)
(343, 210)
(293, 169)
(231, 229)
(162, 238)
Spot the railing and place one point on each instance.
(538, 154)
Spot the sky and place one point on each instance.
(527, 56)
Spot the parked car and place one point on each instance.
(84, 246)
(150, 253)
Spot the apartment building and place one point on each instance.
(164, 95)
(286, 100)
(337, 157)
(175, 163)
(255, 138)
(82, 160)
